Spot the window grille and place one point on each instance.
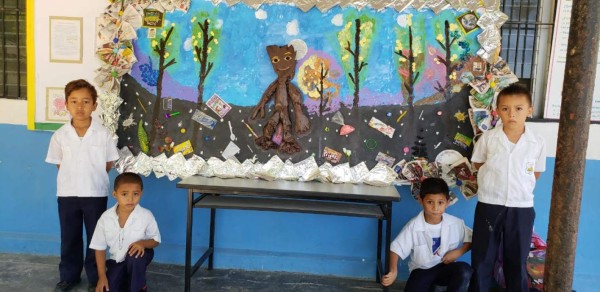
(521, 35)
(13, 69)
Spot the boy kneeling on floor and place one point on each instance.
(434, 240)
(130, 232)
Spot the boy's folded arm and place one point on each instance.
(465, 247)
(148, 243)
(453, 255)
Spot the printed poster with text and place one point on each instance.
(557, 65)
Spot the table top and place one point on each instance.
(290, 189)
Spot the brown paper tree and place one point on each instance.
(356, 43)
(446, 41)
(408, 75)
(202, 48)
(160, 47)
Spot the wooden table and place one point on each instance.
(286, 196)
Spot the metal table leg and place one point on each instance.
(188, 241)
(211, 240)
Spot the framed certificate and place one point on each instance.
(66, 42)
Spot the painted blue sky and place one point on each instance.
(242, 69)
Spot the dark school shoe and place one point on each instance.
(65, 286)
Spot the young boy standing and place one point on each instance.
(434, 240)
(83, 151)
(130, 233)
(509, 158)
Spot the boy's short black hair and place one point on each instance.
(79, 84)
(515, 89)
(434, 185)
(128, 177)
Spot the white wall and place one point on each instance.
(13, 111)
(59, 74)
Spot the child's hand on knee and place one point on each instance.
(389, 278)
(136, 250)
(451, 256)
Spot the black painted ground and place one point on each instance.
(431, 129)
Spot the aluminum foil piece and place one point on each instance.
(324, 6)
(228, 2)
(305, 5)
(341, 173)
(174, 166)
(400, 5)
(325, 175)
(195, 164)
(257, 167)
(419, 4)
(471, 4)
(437, 5)
(288, 172)
(211, 164)
(228, 169)
(254, 3)
(491, 4)
(490, 57)
(247, 169)
(456, 4)
(270, 170)
(491, 19)
(143, 164)
(110, 102)
(489, 39)
(125, 161)
(307, 169)
(359, 172)
(381, 175)
(158, 165)
(378, 4)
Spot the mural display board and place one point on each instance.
(405, 88)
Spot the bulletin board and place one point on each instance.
(388, 83)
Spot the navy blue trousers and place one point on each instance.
(455, 276)
(498, 226)
(73, 214)
(130, 274)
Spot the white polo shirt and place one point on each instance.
(507, 176)
(82, 160)
(415, 240)
(140, 225)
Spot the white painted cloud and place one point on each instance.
(219, 23)
(292, 27)
(402, 20)
(338, 20)
(260, 14)
(187, 44)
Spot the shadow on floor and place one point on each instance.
(25, 273)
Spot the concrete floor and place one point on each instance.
(24, 273)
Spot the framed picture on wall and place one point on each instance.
(66, 39)
(56, 107)
(468, 21)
